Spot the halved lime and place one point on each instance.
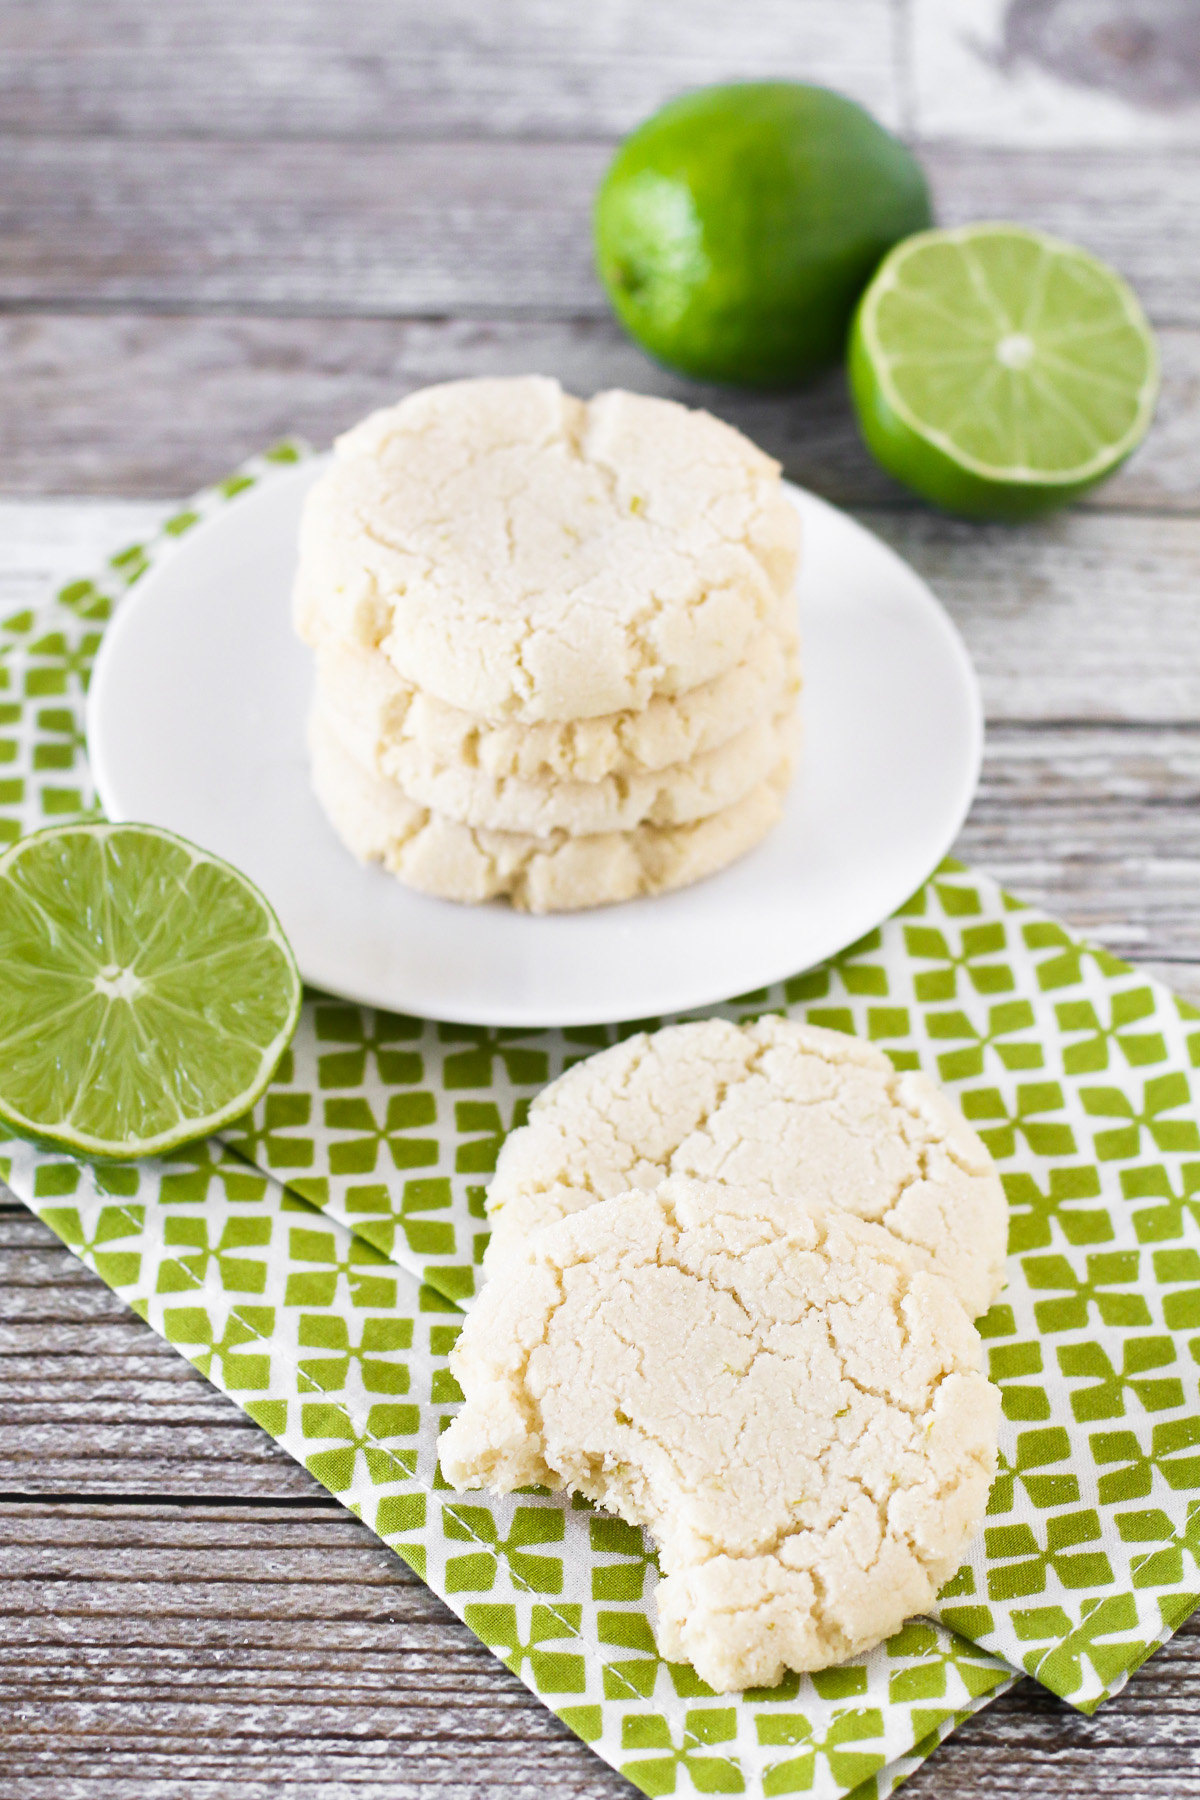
(147, 991)
(1000, 372)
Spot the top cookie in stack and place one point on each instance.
(556, 642)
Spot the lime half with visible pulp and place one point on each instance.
(999, 372)
(147, 991)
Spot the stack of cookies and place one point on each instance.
(555, 641)
(732, 1277)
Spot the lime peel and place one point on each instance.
(737, 226)
(148, 990)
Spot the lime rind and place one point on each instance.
(1110, 453)
(171, 1068)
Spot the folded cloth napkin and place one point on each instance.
(1076, 1070)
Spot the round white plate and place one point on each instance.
(196, 722)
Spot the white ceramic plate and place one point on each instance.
(196, 722)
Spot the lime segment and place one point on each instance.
(148, 990)
(998, 371)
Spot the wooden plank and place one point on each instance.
(402, 68)
(204, 1644)
(1101, 73)
(176, 1456)
(151, 404)
(1084, 617)
(205, 1649)
(465, 227)
(127, 404)
(313, 227)
(93, 1403)
(393, 68)
(1099, 826)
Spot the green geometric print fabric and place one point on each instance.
(1078, 1072)
(341, 1356)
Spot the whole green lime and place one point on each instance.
(737, 227)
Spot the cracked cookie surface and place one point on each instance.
(791, 1408)
(377, 822)
(773, 1108)
(522, 555)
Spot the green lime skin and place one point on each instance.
(736, 228)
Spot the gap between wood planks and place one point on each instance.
(125, 403)
(471, 228)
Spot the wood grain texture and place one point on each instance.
(1129, 206)
(1084, 617)
(127, 404)
(298, 226)
(1099, 826)
(331, 227)
(91, 1402)
(136, 403)
(402, 68)
(1054, 72)
(200, 1648)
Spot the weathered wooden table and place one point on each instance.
(228, 221)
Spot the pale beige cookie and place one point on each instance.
(773, 1108)
(794, 1411)
(677, 795)
(390, 714)
(558, 873)
(524, 556)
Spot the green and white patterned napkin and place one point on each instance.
(331, 1325)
